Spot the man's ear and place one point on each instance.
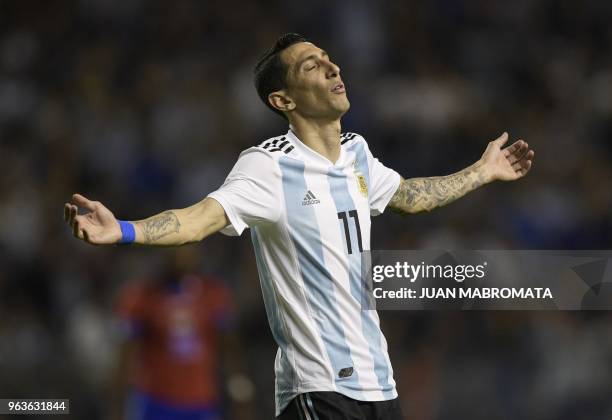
(281, 101)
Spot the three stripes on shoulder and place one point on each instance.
(345, 137)
(280, 144)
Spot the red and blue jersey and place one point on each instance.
(177, 330)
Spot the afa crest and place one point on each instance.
(361, 181)
(363, 186)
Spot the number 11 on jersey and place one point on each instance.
(344, 216)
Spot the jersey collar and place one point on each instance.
(311, 154)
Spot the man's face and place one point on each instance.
(313, 82)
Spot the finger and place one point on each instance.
(519, 164)
(501, 140)
(527, 156)
(81, 201)
(75, 228)
(522, 165)
(79, 227)
(513, 147)
(66, 212)
(523, 171)
(519, 154)
(86, 236)
(73, 214)
(516, 155)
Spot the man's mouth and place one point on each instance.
(339, 88)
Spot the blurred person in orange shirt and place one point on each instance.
(175, 329)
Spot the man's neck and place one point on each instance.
(322, 137)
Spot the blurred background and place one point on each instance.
(145, 106)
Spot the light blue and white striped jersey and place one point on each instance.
(309, 221)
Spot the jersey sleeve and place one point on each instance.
(384, 182)
(251, 192)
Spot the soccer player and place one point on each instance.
(176, 327)
(307, 197)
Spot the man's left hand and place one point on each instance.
(507, 164)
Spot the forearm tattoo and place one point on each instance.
(418, 194)
(156, 227)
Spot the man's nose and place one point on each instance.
(333, 70)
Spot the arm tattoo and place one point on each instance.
(157, 227)
(418, 194)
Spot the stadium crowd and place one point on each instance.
(145, 105)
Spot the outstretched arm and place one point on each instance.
(173, 227)
(424, 194)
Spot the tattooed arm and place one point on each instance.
(172, 227)
(424, 194)
(177, 227)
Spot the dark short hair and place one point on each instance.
(271, 72)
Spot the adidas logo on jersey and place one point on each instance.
(310, 199)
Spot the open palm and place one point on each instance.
(97, 227)
(510, 163)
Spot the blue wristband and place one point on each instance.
(128, 233)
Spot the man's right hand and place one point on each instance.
(97, 227)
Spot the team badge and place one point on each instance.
(361, 182)
(363, 186)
